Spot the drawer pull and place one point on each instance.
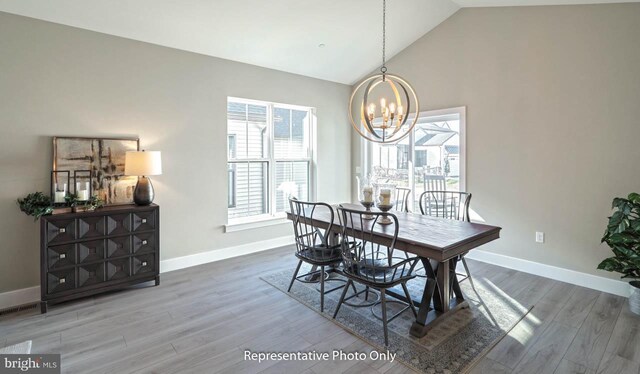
(144, 220)
(62, 280)
(144, 242)
(62, 256)
(144, 263)
(62, 230)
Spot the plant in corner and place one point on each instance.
(36, 204)
(623, 237)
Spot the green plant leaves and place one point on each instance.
(623, 236)
(36, 204)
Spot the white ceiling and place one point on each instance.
(278, 34)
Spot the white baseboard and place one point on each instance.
(222, 254)
(32, 294)
(595, 282)
(19, 297)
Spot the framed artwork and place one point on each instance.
(104, 157)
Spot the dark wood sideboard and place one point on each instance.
(83, 254)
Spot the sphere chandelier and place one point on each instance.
(389, 123)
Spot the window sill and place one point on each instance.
(255, 222)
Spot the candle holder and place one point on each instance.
(366, 197)
(60, 181)
(386, 193)
(82, 184)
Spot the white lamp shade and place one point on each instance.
(142, 163)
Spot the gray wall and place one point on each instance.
(58, 80)
(553, 119)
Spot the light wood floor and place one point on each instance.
(200, 320)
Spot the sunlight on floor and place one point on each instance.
(524, 330)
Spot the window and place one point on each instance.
(269, 157)
(431, 157)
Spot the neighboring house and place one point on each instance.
(434, 144)
(246, 141)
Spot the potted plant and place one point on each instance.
(623, 236)
(94, 203)
(84, 206)
(36, 204)
(72, 201)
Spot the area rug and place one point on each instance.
(453, 346)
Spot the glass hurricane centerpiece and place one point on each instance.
(385, 200)
(366, 197)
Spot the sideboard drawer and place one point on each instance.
(118, 224)
(144, 243)
(61, 280)
(118, 246)
(59, 231)
(144, 264)
(144, 221)
(61, 256)
(90, 251)
(90, 227)
(118, 269)
(91, 274)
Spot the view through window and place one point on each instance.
(430, 158)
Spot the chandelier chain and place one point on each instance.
(383, 69)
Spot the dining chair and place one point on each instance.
(312, 245)
(360, 263)
(450, 205)
(402, 199)
(434, 182)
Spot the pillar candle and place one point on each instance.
(385, 196)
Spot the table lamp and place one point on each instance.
(143, 164)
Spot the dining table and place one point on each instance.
(439, 244)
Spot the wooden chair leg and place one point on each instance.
(295, 274)
(383, 303)
(344, 293)
(410, 301)
(321, 289)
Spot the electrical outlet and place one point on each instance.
(539, 237)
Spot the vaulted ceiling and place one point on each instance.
(336, 40)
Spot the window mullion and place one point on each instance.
(411, 172)
(272, 162)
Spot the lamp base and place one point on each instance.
(143, 194)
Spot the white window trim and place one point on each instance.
(461, 111)
(277, 218)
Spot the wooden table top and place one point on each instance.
(436, 238)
